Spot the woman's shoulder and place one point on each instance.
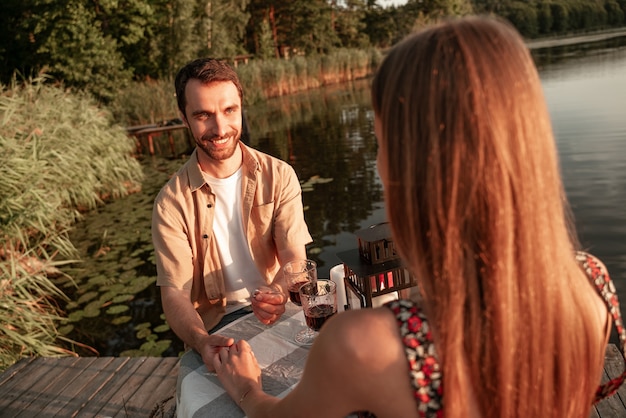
(364, 350)
(366, 336)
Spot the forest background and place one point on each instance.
(74, 73)
(103, 45)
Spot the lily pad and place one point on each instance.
(76, 316)
(99, 280)
(162, 328)
(143, 333)
(140, 283)
(121, 320)
(92, 310)
(71, 305)
(87, 297)
(117, 309)
(143, 325)
(66, 329)
(122, 298)
(155, 349)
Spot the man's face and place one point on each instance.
(213, 114)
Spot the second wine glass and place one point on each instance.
(319, 302)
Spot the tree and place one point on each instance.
(349, 24)
(72, 48)
(309, 27)
(379, 25)
(544, 17)
(134, 24)
(225, 26)
(266, 48)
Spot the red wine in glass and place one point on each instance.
(317, 315)
(297, 273)
(294, 294)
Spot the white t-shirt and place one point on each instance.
(240, 273)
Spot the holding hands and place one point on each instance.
(238, 370)
(212, 345)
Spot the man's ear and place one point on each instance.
(245, 131)
(183, 118)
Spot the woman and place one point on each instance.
(510, 323)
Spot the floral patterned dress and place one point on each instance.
(424, 367)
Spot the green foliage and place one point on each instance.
(380, 26)
(225, 27)
(544, 18)
(524, 17)
(560, 15)
(99, 46)
(309, 28)
(28, 311)
(76, 51)
(147, 102)
(615, 13)
(60, 154)
(153, 101)
(350, 25)
(266, 48)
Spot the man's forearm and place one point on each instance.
(183, 318)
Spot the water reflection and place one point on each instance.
(586, 95)
(327, 135)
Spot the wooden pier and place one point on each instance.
(137, 387)
(90, 387)
(150, 131)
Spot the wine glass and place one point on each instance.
(297, 273)
(319, 302)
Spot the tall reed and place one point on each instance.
(153, 101)
(60, 154)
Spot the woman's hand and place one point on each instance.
(238, 370)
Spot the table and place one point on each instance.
(200, 394)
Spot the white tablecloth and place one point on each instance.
(200, 394)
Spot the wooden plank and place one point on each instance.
(34, 382)
(52, 397)
(96, 387)
(614, 406)
(88, 387)
(104, 403)
(86, 379)
(13, 370)
(164, 384)
(128, 401)
(158, 386)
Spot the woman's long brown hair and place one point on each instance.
(478, 212)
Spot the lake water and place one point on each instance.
(327, 135)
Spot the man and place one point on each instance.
(227, 221)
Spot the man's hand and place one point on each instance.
(268, 304)
(210, 345)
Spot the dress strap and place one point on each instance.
(424, 368)
(598, 274)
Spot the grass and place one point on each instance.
(60, 155)
(154, 101)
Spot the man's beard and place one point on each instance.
(204, 144)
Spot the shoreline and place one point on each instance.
(575, 39)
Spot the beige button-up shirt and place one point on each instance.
(182, 227)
